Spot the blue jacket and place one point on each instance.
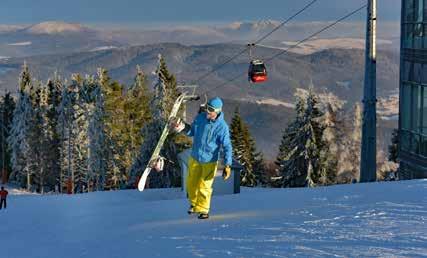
(208, 137)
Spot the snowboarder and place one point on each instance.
(3, 195)
(210, 132)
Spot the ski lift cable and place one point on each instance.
(286, 21)
(256, 42)
(318, 32)
(294, 46)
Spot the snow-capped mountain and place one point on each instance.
(51, 37)
(56, 27)
(253, 26)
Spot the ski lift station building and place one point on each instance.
(413, 90)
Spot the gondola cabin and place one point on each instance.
(257, 71)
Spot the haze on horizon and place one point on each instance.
(134, 12)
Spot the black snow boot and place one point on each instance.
(203, 216)
(191, 210)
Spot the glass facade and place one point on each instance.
(413, 88)
(414, 24)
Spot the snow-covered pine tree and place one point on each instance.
(160, 105)
(83, 110)
(72, 128)
(333, 135)
(18, 142)
(138, 114)
(290, 165)
(41, 143)
(97, 149)
(6, 117)
(352, 172)
(302, 165)
(181, 142)
(289, 132)
(20, 132)
(175, 142)
(35, 138)
(54, 88)
(65, 122)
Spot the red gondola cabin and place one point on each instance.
(257, 71)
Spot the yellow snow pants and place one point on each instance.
(199, 184)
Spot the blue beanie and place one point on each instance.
(216, 103)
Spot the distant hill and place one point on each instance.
(337, 70)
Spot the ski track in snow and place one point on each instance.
(377, 219)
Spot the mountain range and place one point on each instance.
(53, 37)
(323, 63)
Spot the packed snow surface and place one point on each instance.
(359, 220)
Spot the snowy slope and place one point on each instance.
(376, 219)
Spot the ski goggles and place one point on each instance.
(211, 109)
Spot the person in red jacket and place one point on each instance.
(3, 195)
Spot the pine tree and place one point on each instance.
(289, 163)
(171, 91)
(354, 145)
(244, 150)
(41, 143)
(260, 170)
(18, 141)
(115, 127)
(6, 112)
(39, 138)
(333, 135)
(302, 164)
(83, 110)
(72, 127)
(54, 88)
(20, 132)
(247, 159)
(236, 135)
(137, 111)
(65, 123)
(98, 152)
(165, 93)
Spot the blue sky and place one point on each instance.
(188, 11)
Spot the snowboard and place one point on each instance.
(156, 153)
